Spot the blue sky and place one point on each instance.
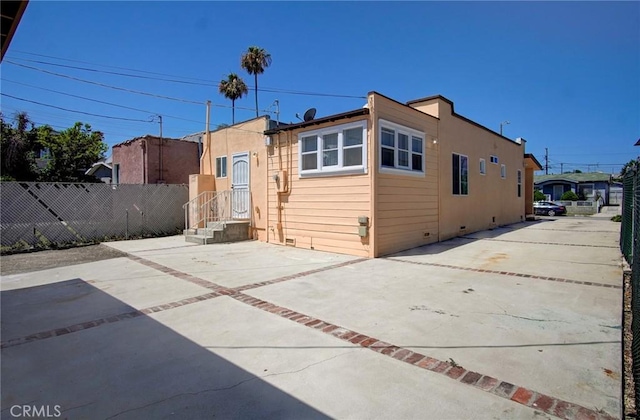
(565, 75)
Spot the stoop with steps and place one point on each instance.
(218, 232)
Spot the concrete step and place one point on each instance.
(207, 231)
(199, 239)
(218, 232)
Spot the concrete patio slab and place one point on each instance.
(174, 330)
(231, 264)
(519, 330)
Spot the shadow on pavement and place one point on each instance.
(131, 369)
(444, 246)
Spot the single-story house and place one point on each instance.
(154, 160)
(101, 170)
(587, 185)
(372, 181)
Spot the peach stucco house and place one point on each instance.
(369, 182)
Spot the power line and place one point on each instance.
(102, 102)
(210, 84)
(72, 110)
(124, 89)
(202, 82)
(105, 85)
(105, 65)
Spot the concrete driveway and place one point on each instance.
(518, 322)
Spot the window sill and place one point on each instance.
(335, 172)
(406, 172)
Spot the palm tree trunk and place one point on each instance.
(256, 85)
(233, 111)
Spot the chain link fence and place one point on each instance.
(45, 214)
(630, 247)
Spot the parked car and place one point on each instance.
(548, 208)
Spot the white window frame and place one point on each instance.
(219, 167)
(338, 169)
(411, 133)
(483, 167)
(494, 159)
(519, 183)
(503, 171)
(115, 176)
(460, 193)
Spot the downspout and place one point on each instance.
(439, 173)
(373, 165)
(144, 160)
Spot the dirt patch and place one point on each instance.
(42, 260)
(629, 401)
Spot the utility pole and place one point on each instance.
(207, 139)
(561, 168)
(160, 152)
(546, 161)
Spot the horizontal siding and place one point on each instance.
(407, 205)
(389, 244)
(320, 212)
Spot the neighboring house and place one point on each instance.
(151, 160)
(373, 181)
(101, 170)
(589, 185)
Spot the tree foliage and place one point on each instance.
(569, 196)
(19, 148)
(233, 87)
(630, 166)
(254, 61)
(539, 196)
(67, 154)
(72, 152)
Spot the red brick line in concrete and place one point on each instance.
(107, 320)
(179, 274)
(572, 230)
(298, 275)
(229, 290)
(508, 273)
(218, 291)
(536, 400)
(536, 243)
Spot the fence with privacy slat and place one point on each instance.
(630, 246)
(44, 214)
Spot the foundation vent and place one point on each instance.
(290, 241)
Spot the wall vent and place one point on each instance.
(290, 241)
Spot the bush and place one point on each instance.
(569, 196)
(539, 196)
(616, 218)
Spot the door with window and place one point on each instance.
(558, 190)
(240, 201)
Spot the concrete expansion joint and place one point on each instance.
(521, 395)
(507, 273)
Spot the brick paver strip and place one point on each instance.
(550, 405)
(537, 243)
(506, 273)
(520, 395)
(107, 320)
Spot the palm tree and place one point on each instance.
(254, 61)
(233, 88)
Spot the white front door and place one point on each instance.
(240, 201)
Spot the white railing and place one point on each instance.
(217, 206)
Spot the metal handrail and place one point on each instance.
(217, 206)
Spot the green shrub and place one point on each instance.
(569, 196)
(539, 196)
(616, 218)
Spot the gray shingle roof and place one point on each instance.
(572, 177)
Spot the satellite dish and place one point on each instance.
(309, 114)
